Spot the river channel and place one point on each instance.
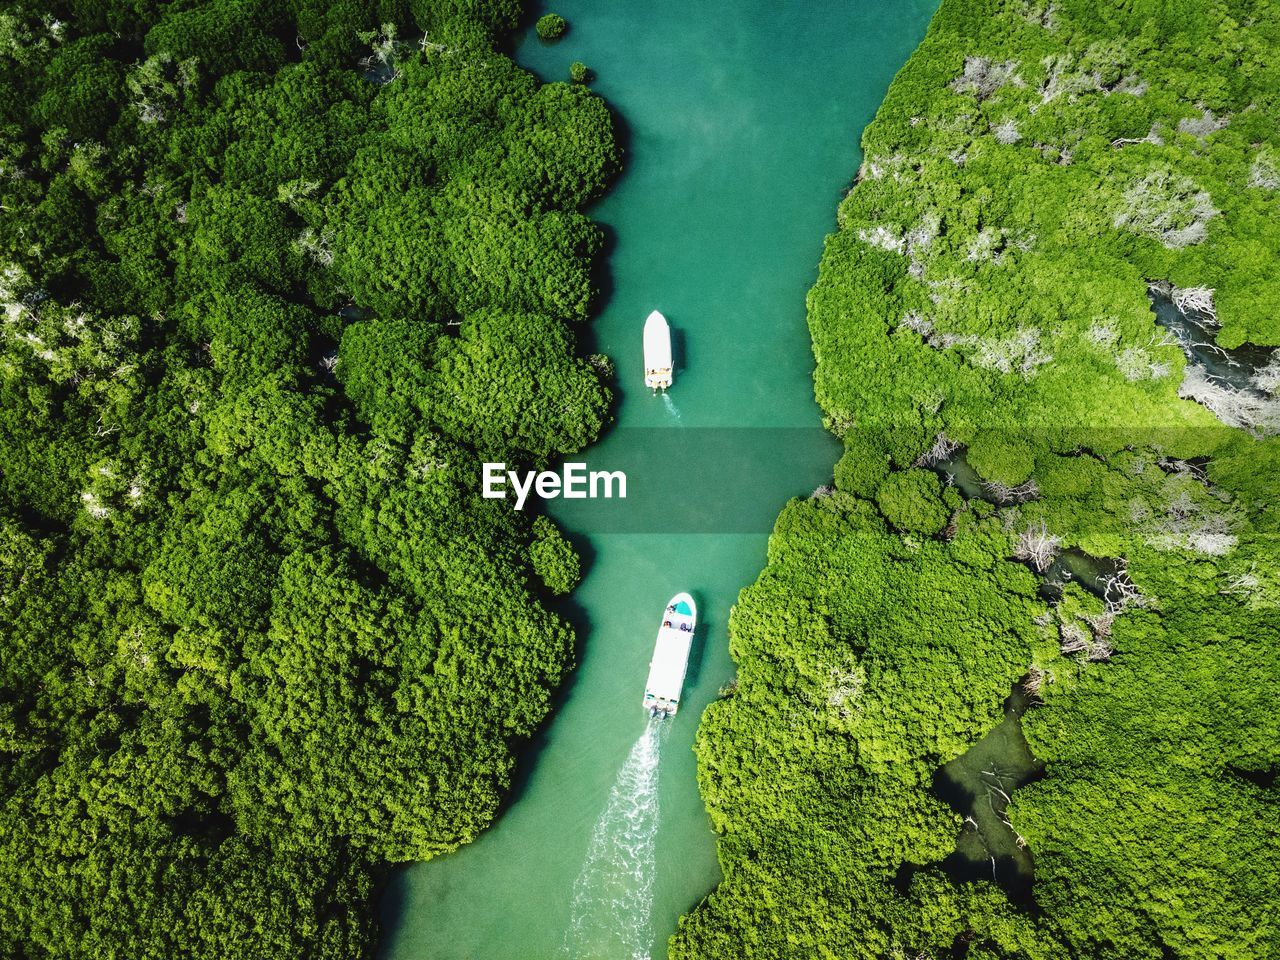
(741, 123)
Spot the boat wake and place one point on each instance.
(670, 405)
(611, 913)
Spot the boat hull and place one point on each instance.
(667, 668)
(658, 369)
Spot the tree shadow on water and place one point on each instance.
(602, 282)
(569, 610)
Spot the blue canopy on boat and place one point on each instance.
(683, 608)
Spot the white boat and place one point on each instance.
(657, 352)
(670, 657)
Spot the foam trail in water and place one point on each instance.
(611, 914)
(670, 405)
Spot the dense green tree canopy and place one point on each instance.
(1038, 173)
(274, 279)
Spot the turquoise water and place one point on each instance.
(741, 125)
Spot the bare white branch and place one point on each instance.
(1037, 546)
(983, 78)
